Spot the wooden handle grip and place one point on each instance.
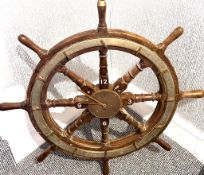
(102, 26)
(12, 106)
(192, 94)
(163, 144)
(44, 155)
(30, 44)
(172, 37)
(106, 169)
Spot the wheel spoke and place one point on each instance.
(125, 116)
(78, 102)
(105, 130)
(122, 83)
(129, 98)
(103, 77)
(103, 72)
(84, 85)
(60, 103)
(85, 117)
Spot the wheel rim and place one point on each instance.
(116, 40)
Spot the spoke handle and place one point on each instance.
(12, 106)
(42, 53)
(163, 144)
(102, 26)
(192, 94)
(172, 37)
(45, 154)
(106, 169)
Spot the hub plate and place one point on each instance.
(112, 101)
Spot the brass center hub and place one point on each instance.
(111, 101)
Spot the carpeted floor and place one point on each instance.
(151, 160)
(7, 162)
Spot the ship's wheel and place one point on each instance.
(103, 101)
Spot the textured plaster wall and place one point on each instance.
(47, 22)
(154, 20)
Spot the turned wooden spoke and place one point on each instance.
(84, 85)
(103, 70)
(129, 98)
(105, 141)
(85, 117)
(60, 103)
(125, 116)
(122, 83)
(105, 130)
(103, 77)
(79, 102)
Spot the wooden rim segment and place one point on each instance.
(91, 41)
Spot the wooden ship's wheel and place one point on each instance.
(104, 100)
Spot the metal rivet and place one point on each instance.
(129, 101)
(79, 105)
(41, 79)
(104, 123)
(36, 108)
(88, 92)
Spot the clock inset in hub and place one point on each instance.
(111, 101)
